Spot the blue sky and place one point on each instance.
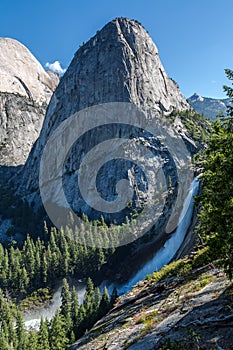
(194, 38)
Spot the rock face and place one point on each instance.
(22, 74)
(186, 313)
(209, 107)
(21, 121)
(25, 91)
(119, 64)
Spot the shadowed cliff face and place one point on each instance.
(25, 91)
(21, 121)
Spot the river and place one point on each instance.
(161, 258)
(32, 318)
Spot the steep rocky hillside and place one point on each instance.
(25, 91)
(180, 307)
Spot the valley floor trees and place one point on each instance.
(39, 264)
(69, 323)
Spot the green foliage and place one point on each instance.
(69, 323)
(228, 89)
(57, 333)
(36, 299)
(202, 257)
(104, 303)
(30, 273)
(198, 127)
(114, 297)
(66, 305)
(76, 314)
(148, 317)
(174, 268)
(181, 267)
(39, 264)
(217, 193)
(43, 336)
(8, 331)
(33, 340)
(21, 333)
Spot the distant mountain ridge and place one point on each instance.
(209, 107)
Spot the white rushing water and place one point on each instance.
(161, 258)
(32, 319)
(168, 251)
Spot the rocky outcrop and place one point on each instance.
(25, 91)
(119, 64)
(21, 121)
(179, 312)
(22, 74)
(211, 108)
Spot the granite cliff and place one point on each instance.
(25, 91)
(119, 64)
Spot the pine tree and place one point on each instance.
(43, 336)
(23, 280)
(217, 192)
(29, 257)
(82, 312)
(2, 254)
(100, 256)
(104, 304)
(4, 340)
(37, 279)
(72, 338)
(10, 322)
(58, 339)
(65, 254)
(44, 268)
(33, 340)
(88, 300)
(82, 325)
(66, 304)
(114, 297)
(21, 332)
(52, 241)
(14, 267)
(96, 298)
(75, 311)
(89, 304)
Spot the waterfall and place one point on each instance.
(161, 258)
(168, 251)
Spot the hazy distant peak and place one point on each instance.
(196, 97)
(210, 107)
